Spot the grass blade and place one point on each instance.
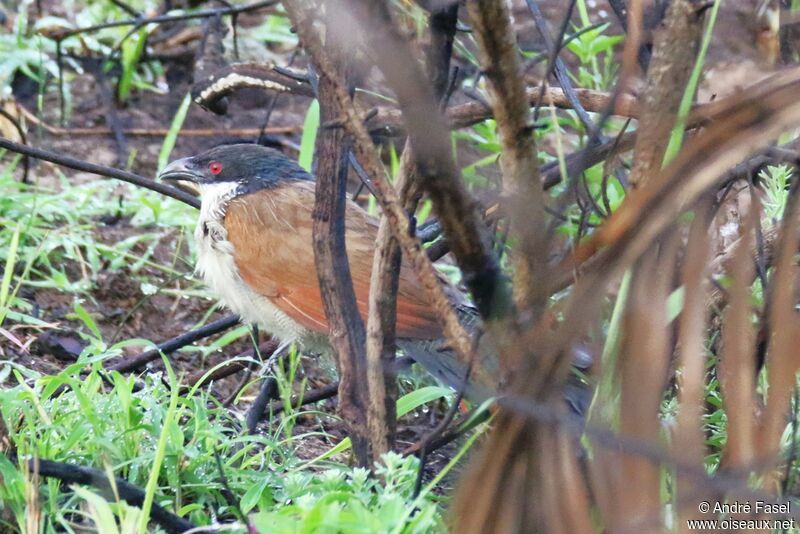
(172, 134)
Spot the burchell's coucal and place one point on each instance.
(255, 251)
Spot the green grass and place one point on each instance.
(163, 438)
(167, 442)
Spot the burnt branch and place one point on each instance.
(521, 183)
(346, 329)
(171, 345)
(131, 494)
(101, 170)
(211, 89)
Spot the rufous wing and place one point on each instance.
(271, 233)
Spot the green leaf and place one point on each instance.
(253, 495)
(417, 398)
(131, 52)
(86, 318)
(310, 127)
(161, 447)
(8, 272)
(172, 134)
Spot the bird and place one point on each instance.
(255, 252)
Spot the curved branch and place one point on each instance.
(131, 494)
(101, 170)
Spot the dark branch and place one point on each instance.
(176, 343)
(101, 170)
(139, 22)
(133, 495)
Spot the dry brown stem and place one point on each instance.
(674, 54)
(491, 23)
(347, 333)
(689, 442)
(737, 363)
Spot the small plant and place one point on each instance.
(128, 427)
(595, 51)
(775, 181)
(19, 53)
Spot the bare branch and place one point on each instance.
(784, 338)
(674, 56)
(101, 170)
(138, 22)
(346, 329)
(455, 209)
(521, 184)
(398, 219)
(122, 489)
(175, 343)
(688, 443)
(386, 265)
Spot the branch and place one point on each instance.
(387, 261)
(382, 315)
(398, 219)
(390, 121)
(521, 182)
(674, 55)
(558, 67)
(138, 22)
(175, 343)
(346, 329)
(101, 170)
(439, 176)
(737, 133)
(131, 494)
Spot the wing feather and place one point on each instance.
(271, 233)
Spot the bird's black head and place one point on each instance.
(251, 167)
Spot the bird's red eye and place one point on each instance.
(215, 167)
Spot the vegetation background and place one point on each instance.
(634, 167)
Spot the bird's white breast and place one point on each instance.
(215, 263)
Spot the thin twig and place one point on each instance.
(139, 22)
(559, 68)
